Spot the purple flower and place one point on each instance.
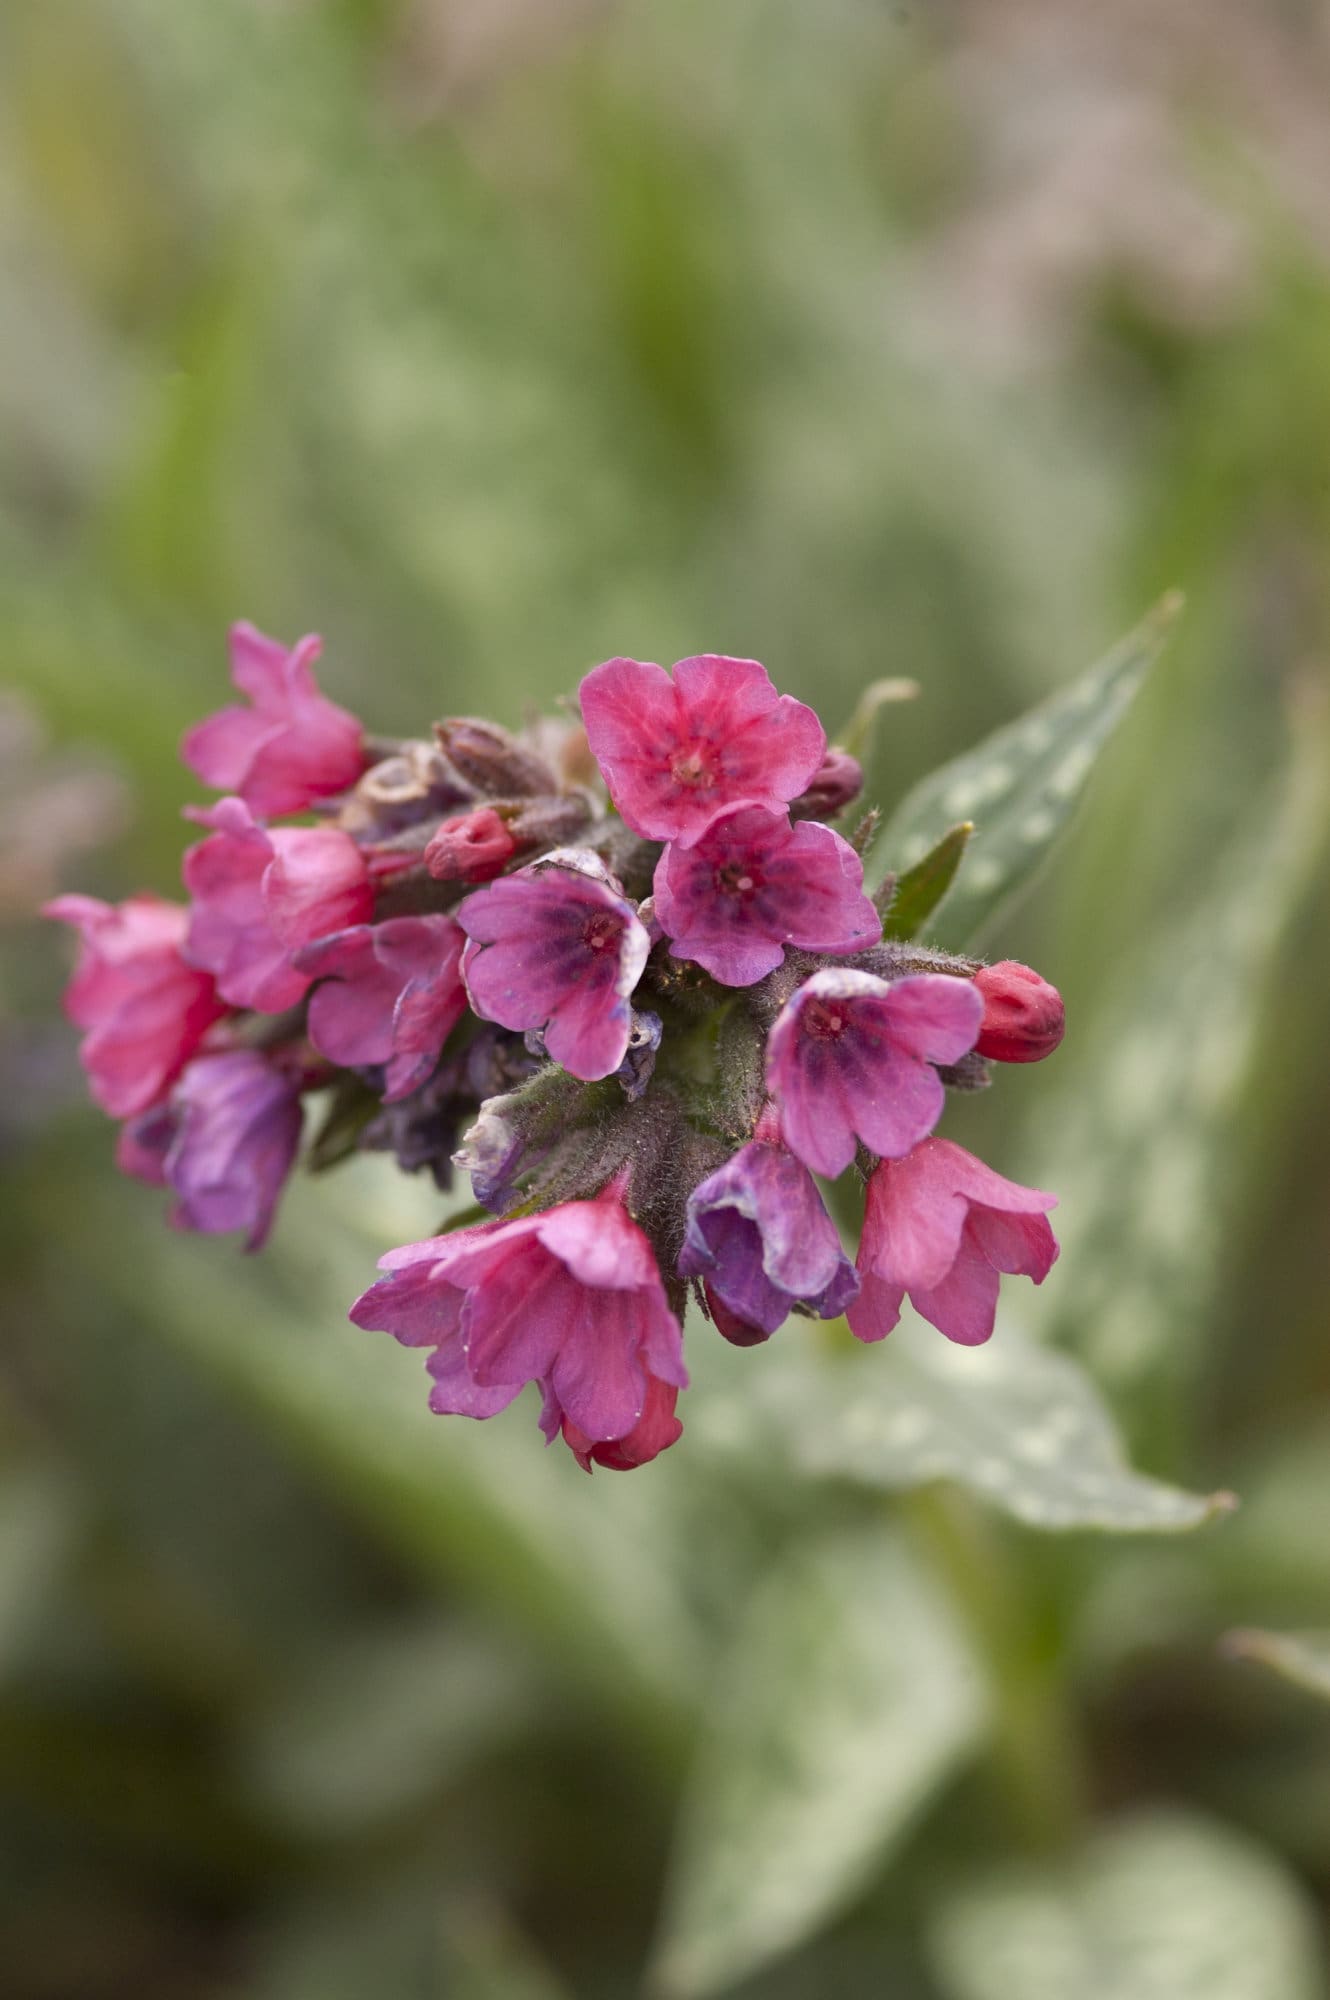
(389, 993)
(257, 895)
(752, 884)
(761, 1239)
(145, 1010)
(571, 1299)
(292, 745)
(557, 946)
(236, 1127)
(677, 752)
(942, 1226)
(850, 1056)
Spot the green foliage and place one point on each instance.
(921, 888)
(1300, 1657)
(1019, 788)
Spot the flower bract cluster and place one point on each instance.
(621, 969)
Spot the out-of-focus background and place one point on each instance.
(489, 338)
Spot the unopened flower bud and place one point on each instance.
(475, 847)
(1023, 1015)
(837, 781)
(492, 759)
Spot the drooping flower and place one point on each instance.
(388, 993)
(1024, 1017)
(145, 1010)
(259, 893)
(292, 745)
(752, 884)
(558, 947)
(570, 1298)
(677, 752)
(237, 1126)
(759, 1236)
(851, 1056)
(654, 1432)
(942, 1226)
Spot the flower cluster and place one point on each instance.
(623, 972)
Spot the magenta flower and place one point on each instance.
(388, 993)
(942, 1226)
(557, 946)
(570, 1298)
(1024, 1017)
(760, 1237)
(654, 1432)
(259, 894)
(292, 745)
(851, 1056)
(677, 752)
(751, 884)
(144, 1008)
(473, 847)
(236, 1129)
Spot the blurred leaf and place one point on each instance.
(1301, 1657)
(379, 1723)
(1024, 1428)
(1164, 1908)
(39, 1530)
(348, 1109)
(1021, 786)
(844, 1701)
(859, 736)
(921, 888)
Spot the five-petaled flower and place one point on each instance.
(942, 1226)
(292, 745)
(676, 752)
(852, 1056)
(752, 884)
(558, 947)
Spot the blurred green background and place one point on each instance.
(489, 338)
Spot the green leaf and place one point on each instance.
(845, 1700)
(1020, 786)
(1022, 1427)
(859, 735)
(1300, 1657)
(921, 888)
(1165, 1907)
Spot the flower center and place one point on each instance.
(734, 879)
(693, 770)
(601, 932)
(823, 1020)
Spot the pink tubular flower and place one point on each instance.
(292, 746)
(1024, 1017)
(389, 993)
(259, 894)
(570, 1298)
(851, 1056)
(144, 1008)
(942, 1226)
(473, 847)
(677, 752)
(236, 1129)
(752, 884)
(558, 946)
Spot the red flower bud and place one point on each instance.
(472, 848)
(836, 783)
(1023, 1015)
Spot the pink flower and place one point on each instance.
(225, 1146)
(389, 993)
(144, 1008)
(850, 1056)
(473, 847)
(292, 746)
(571, 1298)
(676, 752)
(558, 946)
(654, 1432)
(1024, 1017)
(751, 884)
(258, 895)
(942, 1226)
